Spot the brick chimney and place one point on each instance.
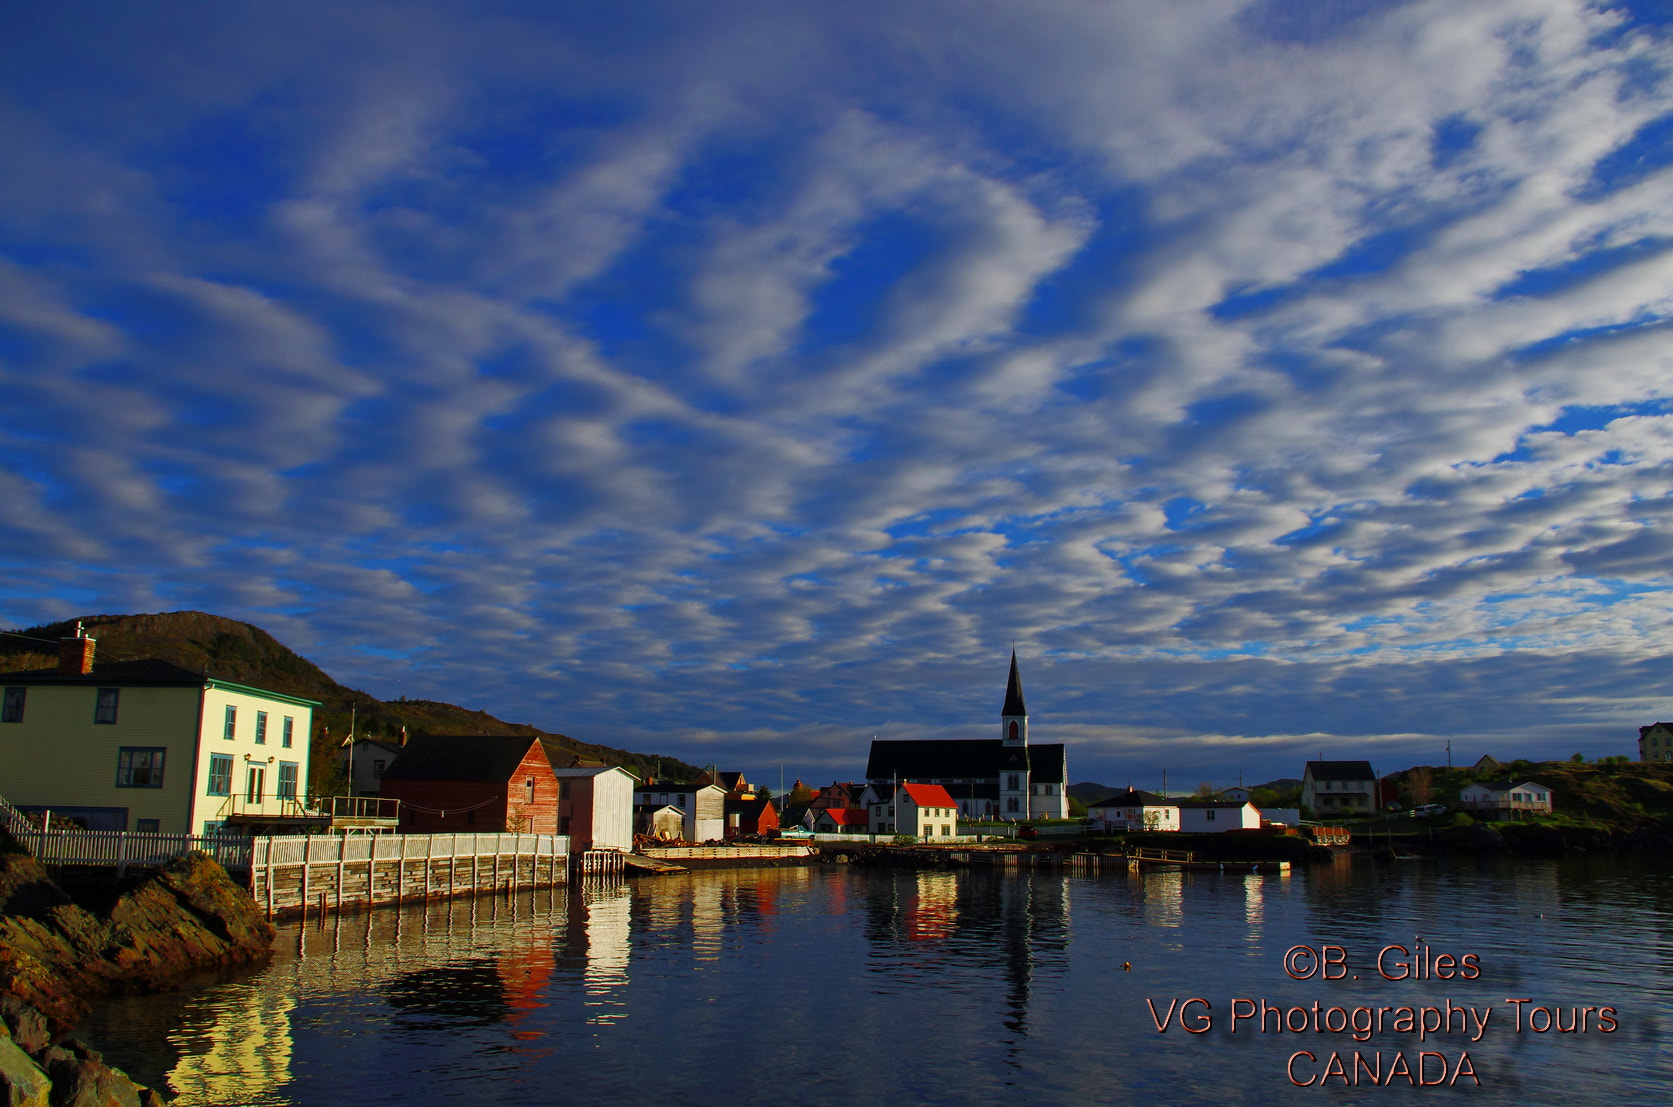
(75, 655)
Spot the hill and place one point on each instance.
(246, 654)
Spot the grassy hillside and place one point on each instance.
(247, 654)
(1616, 795)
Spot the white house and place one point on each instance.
(363, 761)
(703, 807)
(595, 807)
(1506, 801)
(926, 811)
(149, 746)
(1135, 809)
(1216, 816)
(1335, 788)
(1655, 742)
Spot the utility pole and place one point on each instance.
(1449, 753)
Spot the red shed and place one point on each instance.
(450, 783)
(750, 816)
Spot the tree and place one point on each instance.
(1206, 790)
(1419, 782)
(800, 794)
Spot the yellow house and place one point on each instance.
(149, 746)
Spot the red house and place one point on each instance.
(449, 783)
(750, 816)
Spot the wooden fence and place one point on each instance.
(329, 872)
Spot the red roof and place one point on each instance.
(846, 816)
(929, 795)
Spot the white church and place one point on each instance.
(1003, 778)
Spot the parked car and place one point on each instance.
(1423, 811)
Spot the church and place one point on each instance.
(991, 778)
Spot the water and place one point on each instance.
(815, 986)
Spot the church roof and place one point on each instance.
(1013, 691)
(963, 758)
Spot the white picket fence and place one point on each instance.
(119, 848)
(329, 849)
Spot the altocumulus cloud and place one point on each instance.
(742, 382)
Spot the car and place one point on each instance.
(1427, 809)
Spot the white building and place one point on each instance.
(1506, 801)
(925, 811)
(595, 807)
(1331, 789)
(702, 806)
(1135, 809)
(1217, 816)
(150, 747)
(1003, 778)
(1655, 742)
(363, 762)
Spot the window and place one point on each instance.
(261, 728)
(287, 780)
(13, 710)
(1011, 782)
(138, 767)
(377, 769)
(149, 826)
(288, 732)
(104, 711)
(528, 786)
(1211, 815)
(563, 789)
(231, 729)
(1011, 804)
(256, 783)
(220, 775)
(563, 825)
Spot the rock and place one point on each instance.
(22, 1082)
(80, 1078)
(26, 1025)
(58, 957)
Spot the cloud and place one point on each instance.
(709, 382)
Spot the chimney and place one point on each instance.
(75, 655)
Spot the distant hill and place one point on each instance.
(246, 654)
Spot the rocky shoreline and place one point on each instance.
(58, 957)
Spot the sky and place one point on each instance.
(740, 381)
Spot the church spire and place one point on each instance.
(1013, 692)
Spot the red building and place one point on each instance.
(459, 783)
(750, 816)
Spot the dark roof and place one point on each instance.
(750, 808)
(480, 758)
(1341, 770)
(1202, 803)
(963, 758)
(664, 786)
(1643, 730)
(1013, 691)
(148, 671)
(1133, 797)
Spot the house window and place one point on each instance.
(377, 769)
(139, 767)
(287, 780)
(563, 825)
(230, 730)
(563, 789)
(287, 732)
(256, 783)
(528, 786)
(104, 711)
(149, 826)
(220, 774)
(1211, 816)
(13, 710)
(1011, 804)
(261, 728)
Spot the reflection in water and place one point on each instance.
(964, 986)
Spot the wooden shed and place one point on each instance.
(490, 782)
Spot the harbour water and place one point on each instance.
(841, 983)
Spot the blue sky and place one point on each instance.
(741, 380)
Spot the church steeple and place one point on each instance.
(1013, 691)
(1013, 717)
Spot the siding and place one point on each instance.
(59, 757)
